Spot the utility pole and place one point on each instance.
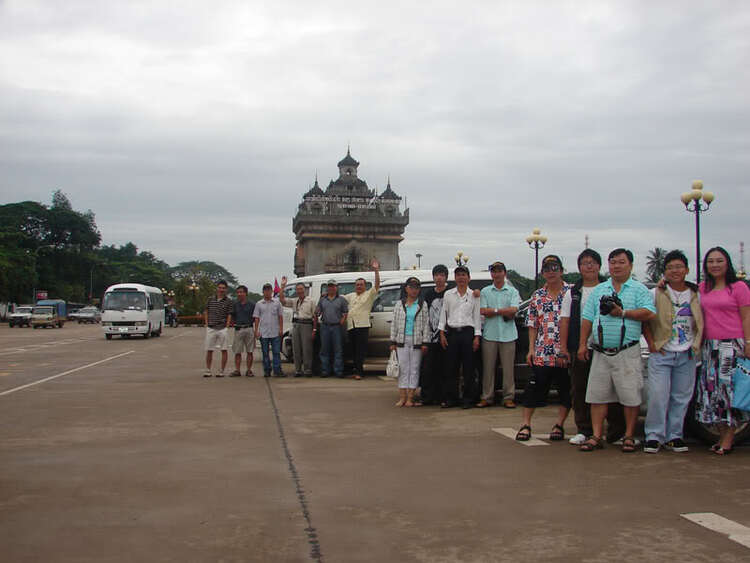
(586, 241)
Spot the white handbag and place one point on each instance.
(391, 370)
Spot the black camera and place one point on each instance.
(609, 302)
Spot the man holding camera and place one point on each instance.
(615, 311)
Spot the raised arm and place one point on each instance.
(376, 267)
(282, 299)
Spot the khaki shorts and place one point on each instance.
(616, 379)
(216, 338)
(244, 339)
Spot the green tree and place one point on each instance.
(655, 264)
(196, 269)
(45, 248)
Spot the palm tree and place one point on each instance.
(655, 264)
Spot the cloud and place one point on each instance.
(195, 132)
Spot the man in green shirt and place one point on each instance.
(498, 304)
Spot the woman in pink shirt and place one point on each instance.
(725, 301)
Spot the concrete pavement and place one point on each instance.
(140, 458)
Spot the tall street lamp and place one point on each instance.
(536, 240)
(693, 204)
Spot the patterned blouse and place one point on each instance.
(544, 315)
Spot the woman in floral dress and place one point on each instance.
(725, 302)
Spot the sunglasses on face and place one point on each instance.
(551, 268)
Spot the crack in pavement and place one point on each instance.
(312, 534)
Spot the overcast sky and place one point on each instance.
(194, 128)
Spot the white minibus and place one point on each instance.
(132, 308)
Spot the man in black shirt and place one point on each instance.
(244, 335)
(434, 364)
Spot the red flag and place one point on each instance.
(276, 288)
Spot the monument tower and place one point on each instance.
(344, 227)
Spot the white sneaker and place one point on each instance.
(636, 442)
(578, 439)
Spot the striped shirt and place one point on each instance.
(218, 311)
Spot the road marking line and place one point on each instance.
(511, 433)
(9, 391)
(51, 344)
(177, 336)
(716, 523)
(386, 378)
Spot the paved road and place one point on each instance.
(138, 458)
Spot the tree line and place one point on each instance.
(58, 249)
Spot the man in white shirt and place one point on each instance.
(460, 329)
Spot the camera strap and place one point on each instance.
(600, 334)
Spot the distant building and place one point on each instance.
(344, 227)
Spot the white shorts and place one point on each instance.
(244, 338)
(216, 338)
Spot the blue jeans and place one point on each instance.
(671, 379)
(330, 342)
(275, 344)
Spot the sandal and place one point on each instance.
(718, 450)
(628, 445)
(557, 434)
(593, 443)
(524, 433)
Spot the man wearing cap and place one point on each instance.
(499, 304)
(614, 313)
(545, 358)
(304, 327)
(332, 310)
(268, 317)
(460, 329)
(433, 366)
(358, 320)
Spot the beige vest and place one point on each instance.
(661, 326)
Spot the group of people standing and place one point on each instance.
(583, 339)
(593, 328)
(264, 320)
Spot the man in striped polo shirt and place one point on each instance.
(215, 318)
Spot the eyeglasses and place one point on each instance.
(551, 268)
(675, 267)
(588, 264)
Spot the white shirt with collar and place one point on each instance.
(460, 311)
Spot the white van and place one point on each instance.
(132, 308)
(391, 291)
(391, 284)
(317, 286)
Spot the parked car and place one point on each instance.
(21, 316)
(46, 315)
(88, 315)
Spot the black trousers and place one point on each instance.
(358, 339)
(460, 359)
(431, 376)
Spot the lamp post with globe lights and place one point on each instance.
(536, 240)
(193, 287)
(693, 204)
(461, 259)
